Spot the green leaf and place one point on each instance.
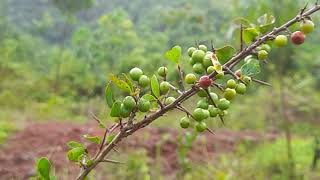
(110, 138)
(155, 86)
(149, 97)
(120, 83)
(44, 167)
(249, 34)
(128, 81)
(225, 53)
(240, 20)
(266, 23)
(115, 110)
(109, 95)
(250, 68)
(173, 54)
(94, 139)
(74, 144)
(75, 153)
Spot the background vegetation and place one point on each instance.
(55, 57)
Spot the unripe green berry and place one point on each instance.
(220, 75)
(206, 113)
(203, 48)
(207, 60)
(198, 68)
(192, 61)
(241, 88)
(190, 78)
(210, 69)
(144, 105)
(203, 104)
(129, 102)
(281, 40)
(214, 96)
(144, 81)
(198, 56)
(124, 112)
(262, 55)
(164, 87)
(231, 83)
(307, 26)
(169, 100)
(198, 114)
(229, 94)
(135, 73)
(213, 111)
(247, 79)
(201, 126)
(202, 93)
(265, 47)
(184, 122)
(223, 104)
(162, 71)
(191, 50)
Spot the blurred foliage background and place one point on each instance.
(55, 57)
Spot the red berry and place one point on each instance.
(238, 73)
(297, 37)
(205, 82)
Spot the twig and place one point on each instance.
(219, 86)
(233, 74)
(175, 89)
(261, 82)
(181, 77)
(241, 37)
(210, 131)
(111, 161)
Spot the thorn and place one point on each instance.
(210, 131)
(261, 82)
(222, 120)
(111, 161)
(303, 9)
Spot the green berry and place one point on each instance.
(190, 78)
(210, 69)
(265, 47)
(192, 61)
(201, 126)
(162, 71)
(202, 93)
(198, 56)
(206, 113)
(214, 96)
(198, 68)
(307, 26)
(213, 111)
(129, 102)
(229, 94)
(135, 73)
(144, 81)
(203, 48)
(124, 112)
(203, 104)
(231, 83)
(281, 40)
(169, 100)
(184, 122)
(247, 80)
(241, 88)
(207, 60)
(220, 75)
(144, 105)
(198, 114)
(223, 112)
(191, 50)
(164, 87)
(223, 104)
(262, 55)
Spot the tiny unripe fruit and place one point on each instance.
(169, 100)
(198, 114)
(223, 104)
(265, 47)
(210, 69)
(144, 105)
(241, 88)
(198, 55)
(231, 83)
(203, 104)
(198, 68)
(214, 96)
(205, 82)
(238, 73)
(202, 93)
(135, 73)
(190, 78)
(162, 71)
(201, 126)
(297, 38)
(213, 111)
(184, 122)
(247, 80)
(164, 87)
(229, 94)
(192, 62)
(262, 55)
(144, 81)
(207, 61)
(206, 113)
(307, 26)
(191, 50)
(281, 40)
(129, 102)
(223, 112)
(220, 75)
(203, 48)
(124, 112)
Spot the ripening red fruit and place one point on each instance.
(238, 73)
(297, 37)
(205, 82)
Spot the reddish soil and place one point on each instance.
(18, 155)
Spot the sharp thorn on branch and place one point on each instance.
(111, 161)
(261, 82)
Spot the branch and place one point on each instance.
(187, 94)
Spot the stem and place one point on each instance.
(128, 130)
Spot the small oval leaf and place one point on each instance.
(94, 139)
(115, 110)
(173, 54)
(225, 53)
(250, 68)
(74, 144)
(44, 167)
(155, 86)
(75, 153)
(120, 83)
(109, 95)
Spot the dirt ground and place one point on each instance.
(18, 155)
